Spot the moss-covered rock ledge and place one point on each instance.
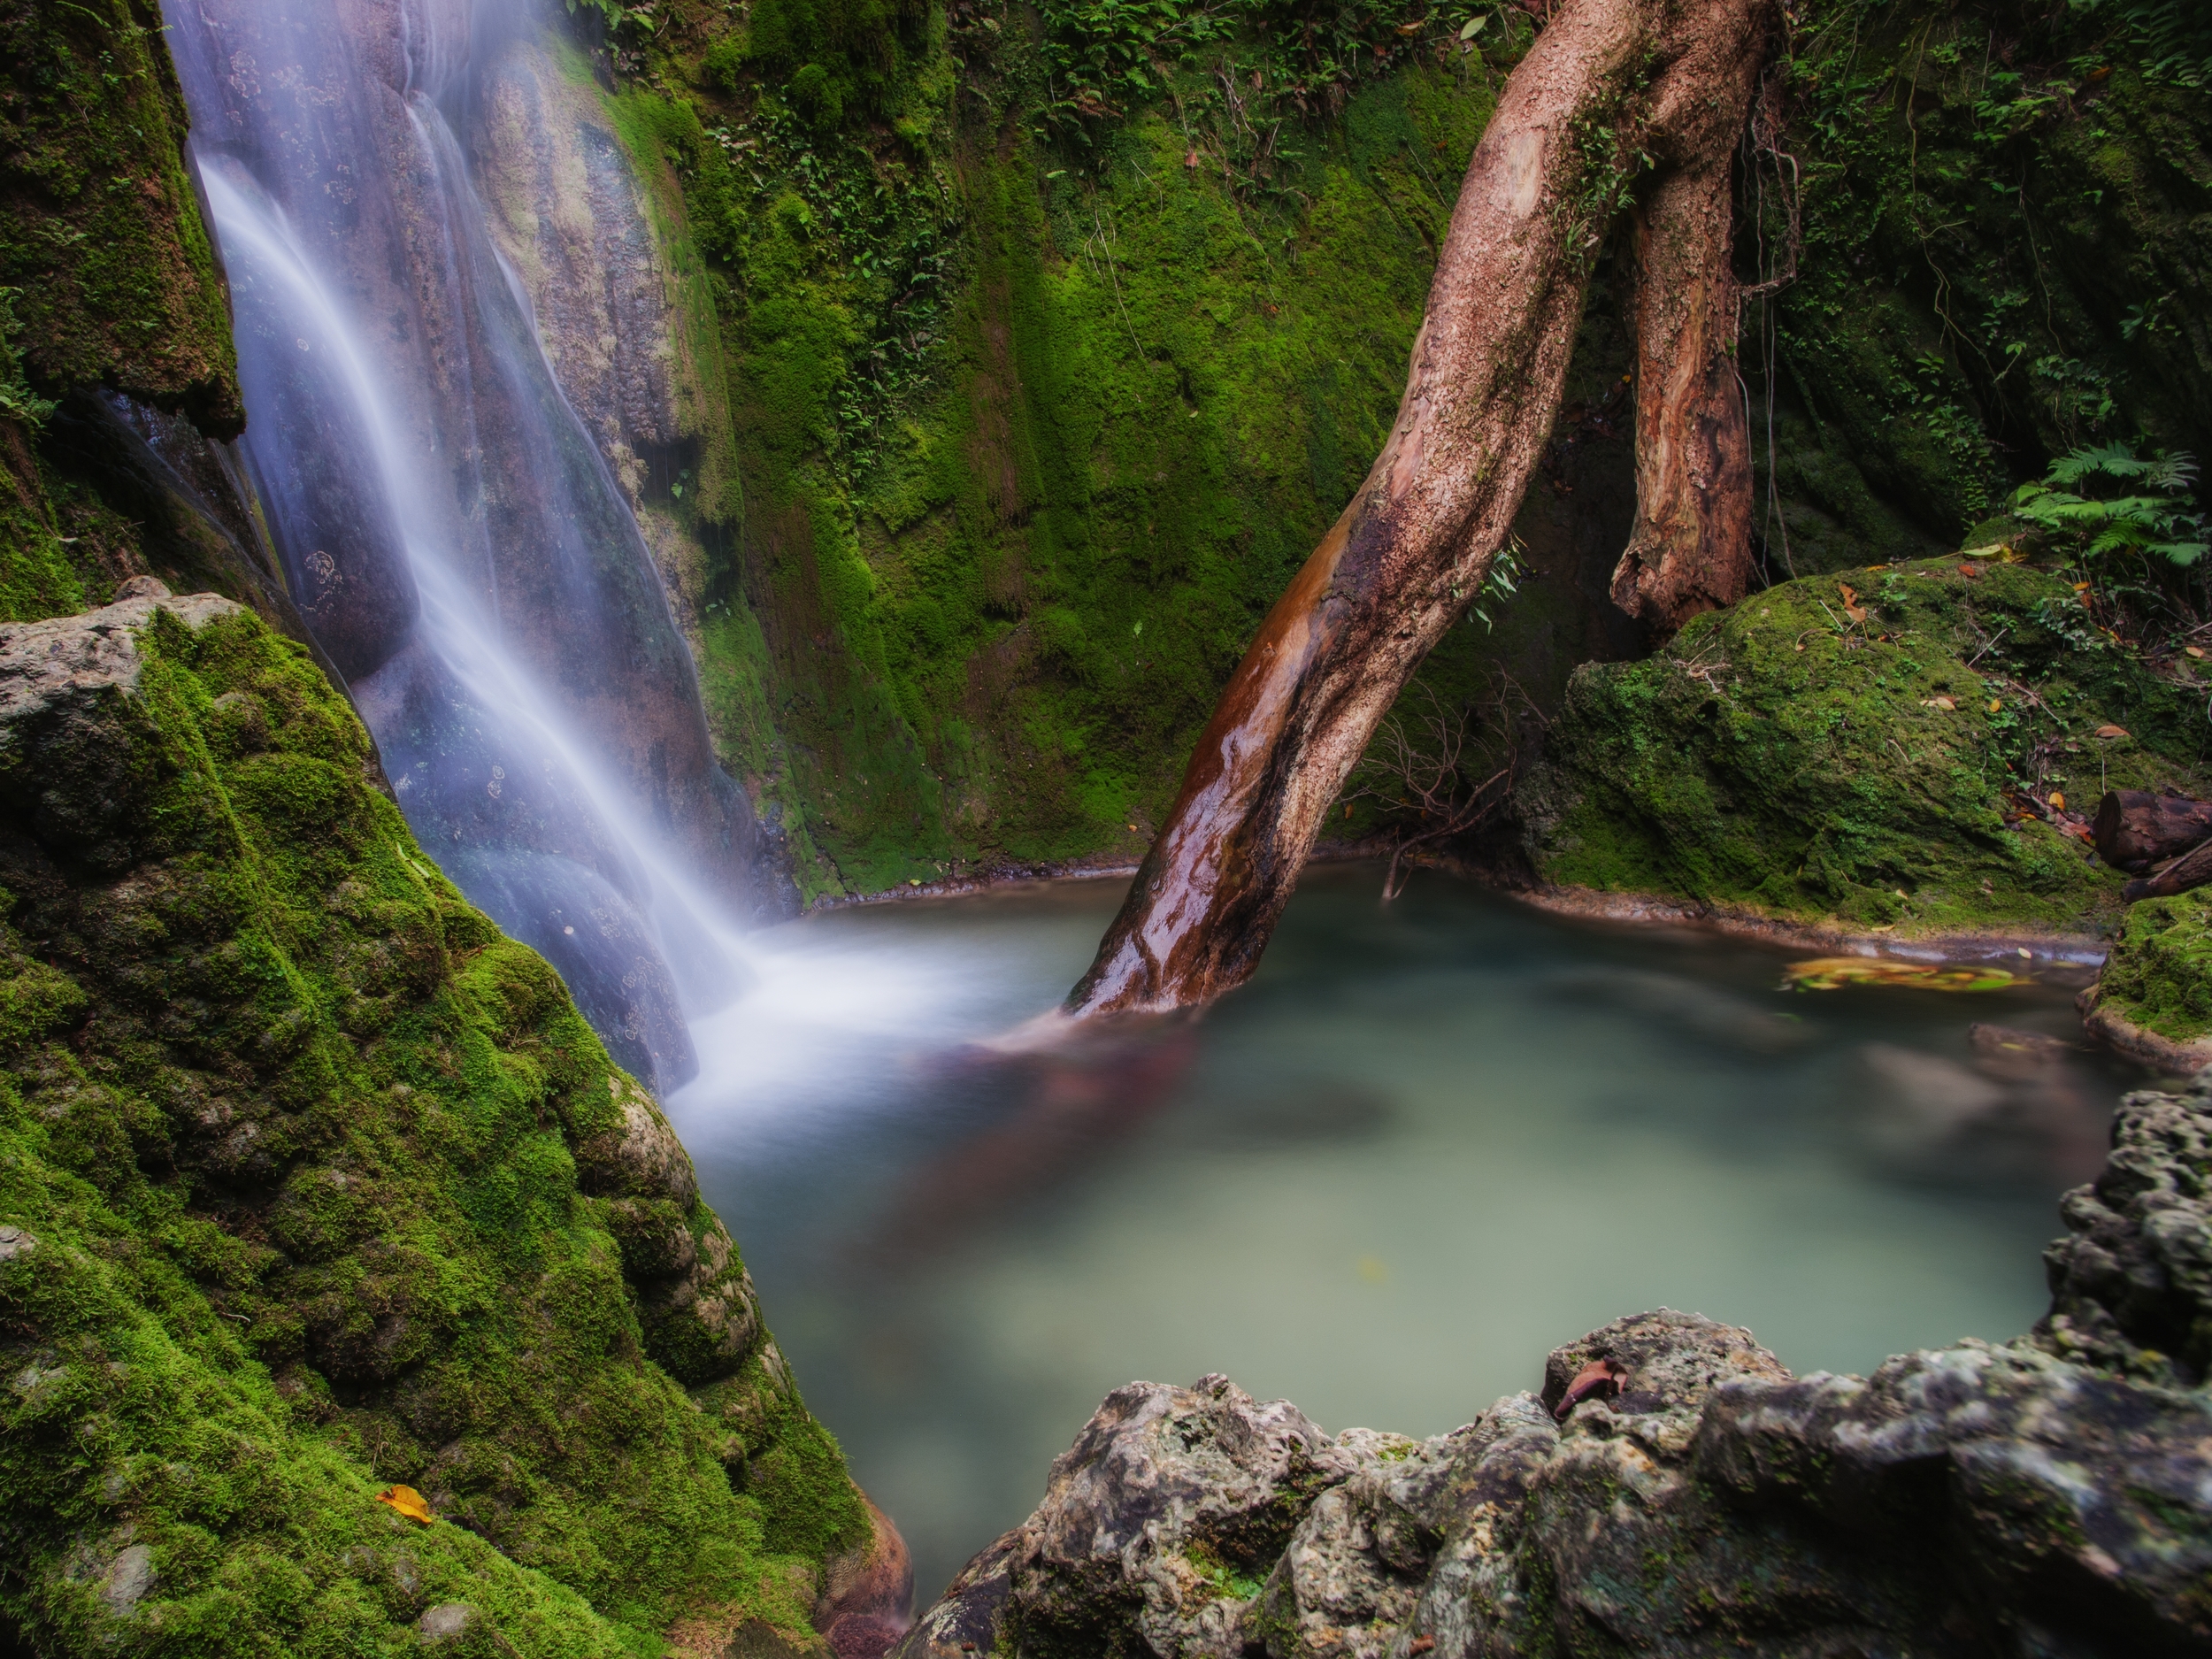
(311, 1182)
(1889, 751)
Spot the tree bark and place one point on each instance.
(2135, 829)
(1606, 83)
(1691, 548)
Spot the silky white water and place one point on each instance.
(454, 538)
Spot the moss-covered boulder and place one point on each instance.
(311, 1182)
(2153, 1000)
(1877, 750)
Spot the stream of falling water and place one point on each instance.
(455, 538)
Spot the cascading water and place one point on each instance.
(453, 537)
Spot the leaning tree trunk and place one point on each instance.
(1606, 83)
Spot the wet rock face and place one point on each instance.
(1673, 1490)
(2132, 1282)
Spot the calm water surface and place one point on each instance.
(1426, 1145)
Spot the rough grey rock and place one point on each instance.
(2132, 1282)
(2046, 1498)
(69, 768)
(128, 1579)
(15, 1241)
(446, 1621)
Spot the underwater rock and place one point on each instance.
(2051, 1496)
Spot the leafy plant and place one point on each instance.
(17, 399)
(2109, 500)
(2174, 36)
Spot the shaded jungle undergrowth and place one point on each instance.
(318, 1183)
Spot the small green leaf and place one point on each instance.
(1474, 26)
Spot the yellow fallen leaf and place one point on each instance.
(1996, 704)
(1830, 973)
(1939, 703)
(1994, 551)
(408, 1502)
(2111, 732)
(2058, 800)
(2196, 651)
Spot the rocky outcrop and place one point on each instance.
(1671, 1489)
(311, 1183)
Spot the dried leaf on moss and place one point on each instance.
(408, 1502)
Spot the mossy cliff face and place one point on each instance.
(1788, 759)
(1028, 426)
(99, 228)
(312, 1182)
(117, 380)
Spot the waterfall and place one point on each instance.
(454, 538)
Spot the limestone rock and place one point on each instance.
(2132, 1282)
(643, 1159)
(1673, 1490)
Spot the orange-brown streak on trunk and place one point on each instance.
(1400, 566)
(1690, 550)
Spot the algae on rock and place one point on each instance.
(314, 1182)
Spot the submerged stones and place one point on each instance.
(2051, 1496)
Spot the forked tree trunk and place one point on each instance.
(1608, 82)
(1691, 548)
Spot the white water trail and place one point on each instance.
(437, 503)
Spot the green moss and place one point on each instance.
(1780, 758)
(327, 1188)
(99, 228)
(2159, 975)
(2002, 230)
(1028, 442)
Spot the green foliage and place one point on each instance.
(325, 1181)
(830, 57)
(2161, 522)
(2175, 36)
(18, 401)
(1109, 57)
(1996, 213)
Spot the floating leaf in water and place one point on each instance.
(1830, 973)
(408, 1502)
